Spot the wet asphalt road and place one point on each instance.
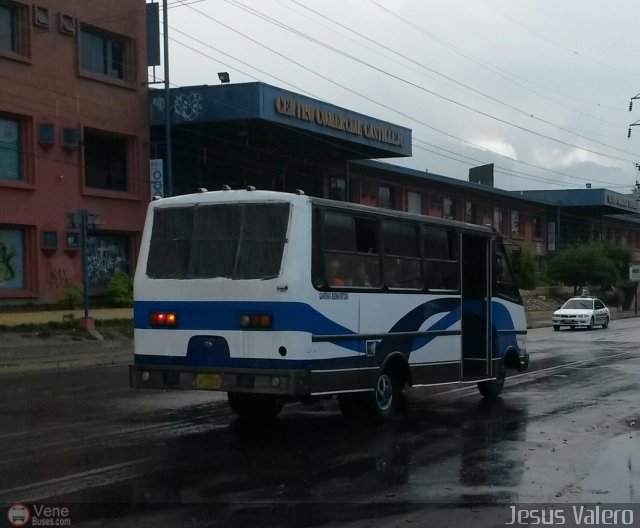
(566, 431)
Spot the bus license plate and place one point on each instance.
(208, 381)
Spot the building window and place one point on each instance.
(8, 28)
(470, 213)
(106, 163)
(14, 28)
(435, 205)
(338, 189)
(386, 197)
(10, 150)
(537, 227)
(105, 54)
(499, 220)
(449, 208)
(414, 202)
(12, 274)
(517, 226)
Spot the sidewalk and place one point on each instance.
(61, 316)
(24, 351)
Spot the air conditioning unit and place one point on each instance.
(46, 133)
(66, 24)
(70, 137)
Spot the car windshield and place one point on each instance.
(578, 304)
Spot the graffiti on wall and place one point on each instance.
(6, 266)
(11, 259)
(106, 254)
(188, 105)
(56, 277)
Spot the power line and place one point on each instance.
(377, 43)
(396, 111)
(572, 52)
(488, 65)
(431, 92)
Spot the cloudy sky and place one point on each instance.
(540, 88)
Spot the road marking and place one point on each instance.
(71, 483)
(540, 372)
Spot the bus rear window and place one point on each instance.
(235, 241)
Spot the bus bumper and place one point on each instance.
(276, 382)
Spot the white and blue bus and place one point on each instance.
(274, 297)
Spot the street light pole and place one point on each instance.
(84, 219)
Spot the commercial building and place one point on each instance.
(260, 135)
(74, 137)
(79, 127)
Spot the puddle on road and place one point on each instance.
(615, 477)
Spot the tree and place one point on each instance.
(120, 289)
(585, 264)
(525, 268)
(621, 257)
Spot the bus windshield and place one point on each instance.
(235, 241)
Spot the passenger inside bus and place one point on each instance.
(361, 277)
(333, 272)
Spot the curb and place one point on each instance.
(32, 354)
(62, 316)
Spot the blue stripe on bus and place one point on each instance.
(212, 316)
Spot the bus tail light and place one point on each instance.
(163, 319)
(260, 321)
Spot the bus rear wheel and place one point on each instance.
(386, 394)
(374, 406)
(255, 407)
(492, 388)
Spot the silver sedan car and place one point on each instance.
(586, 312)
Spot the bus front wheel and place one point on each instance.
(255, 407)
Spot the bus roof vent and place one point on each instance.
(250, 188)
(299, 192)
(226, 188)
(202, 190)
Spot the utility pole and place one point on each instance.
(630, 109)
(167, 102)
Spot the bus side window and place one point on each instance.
(441, 262)
(402, 267)
(350, 255)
